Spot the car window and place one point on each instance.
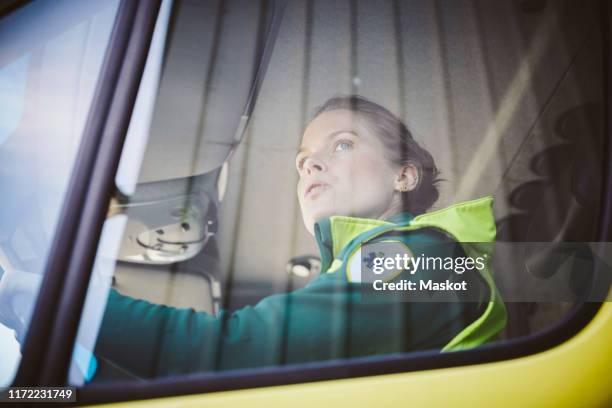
(50, 59)
(13, 83)
(255, 195)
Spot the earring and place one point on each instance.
(403, 188)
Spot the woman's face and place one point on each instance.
(343, 170)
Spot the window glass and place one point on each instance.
(247, 232)
(50, 58)
(13, 84)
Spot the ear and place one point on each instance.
(407, 178)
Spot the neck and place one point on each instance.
(395, 207)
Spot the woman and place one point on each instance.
(362, 178)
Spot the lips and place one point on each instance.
(315, 187)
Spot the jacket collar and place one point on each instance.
(333, 234)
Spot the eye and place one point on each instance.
(343, 145)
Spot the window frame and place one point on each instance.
(58, 308)
(48, 345)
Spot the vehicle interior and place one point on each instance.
(508, 106)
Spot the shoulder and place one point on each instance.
(398, 246)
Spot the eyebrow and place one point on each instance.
(331, 136)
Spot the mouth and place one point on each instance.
(316, 187)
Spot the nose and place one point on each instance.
(313, 164)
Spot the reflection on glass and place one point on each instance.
(50, 58)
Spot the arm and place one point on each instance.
(325, 320)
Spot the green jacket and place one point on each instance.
(325, 320)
